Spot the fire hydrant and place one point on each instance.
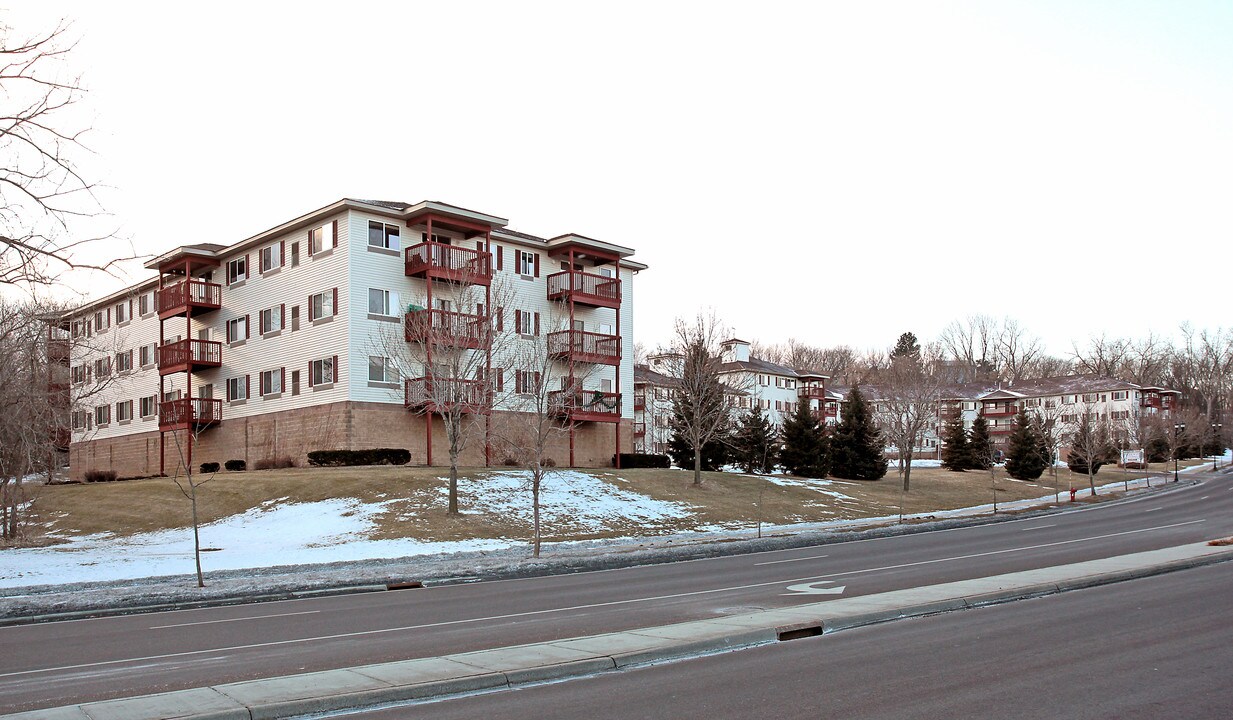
(1072, 494)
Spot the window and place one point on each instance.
(124, 361)
(122, 312)
(527, 264)
(381, 369)
(79, 419)
(272, 382)
(102, 368)
(271, 320)
(146, 355)
(145, 303)
(1120, 395)
(321, 372)
(295, 318)
(271, 257)
(102, 320)
(526, 381)
(1068, 399)
(124, 411)
(295, 382)
(237, 270)
(237, 388)
(149, 406)
(206, 392)
(237, 329)
(382, 235)
(78, 374)
(382, 302)
(80, 328)
(295, 254)
(321, 305)
(321, 239)
(102, 415)
(526, 323)
(1090, 397)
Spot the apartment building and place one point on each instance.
(286, 342)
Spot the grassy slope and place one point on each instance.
(725, 499)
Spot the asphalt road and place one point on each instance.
(59, 663)
(1159, 647)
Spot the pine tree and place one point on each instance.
(806, 444)
(856, 445)
(980, 446)
(1024, 458)
(755, 444)
(906, 347)
(714, 452)
(956, 455)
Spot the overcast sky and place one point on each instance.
(834, 172)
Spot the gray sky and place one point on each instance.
(836, 172)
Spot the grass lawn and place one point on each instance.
(413, 505)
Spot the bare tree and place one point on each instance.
(1017, 351)
(1103, 356)
(50, 208)
(189, 483)
(1047, 417)
(701, 408)
(907, 408)
(973, 344)
(1207, 356)
(443, 357)
(1088, 439)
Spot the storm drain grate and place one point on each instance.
(798, 633)
(407, 585)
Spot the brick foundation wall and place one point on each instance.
(345, 425)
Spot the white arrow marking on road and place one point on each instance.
(813, 589)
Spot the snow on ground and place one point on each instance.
(322, 532)
(816, 485)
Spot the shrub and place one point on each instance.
(274, 463)
(1080, 468)
(208, 468)
(376, 456)
(236, 465)
(100, 476)
(509, 462)
(643, 460)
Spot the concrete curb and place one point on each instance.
(436, 677)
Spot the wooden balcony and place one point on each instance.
(189, 414)
(199, 295)
(189, 356)
(587, 347)
(639, 429)
(58, 351)
(585, 289)
(999, 411)
(441, 395)
(1001, 429)
(447, 329)
(811, 392)
(639, 402)
(585, 405)
(438, 261)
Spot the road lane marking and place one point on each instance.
(813, 589)
(1153, 509)
(1039, 527)
(529, 613)
(776, 562)
(239, 619)
(1205, 497)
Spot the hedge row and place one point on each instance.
(643, 460)
(376, 456)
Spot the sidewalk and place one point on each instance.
(370, 685)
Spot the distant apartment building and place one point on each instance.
(279, 344)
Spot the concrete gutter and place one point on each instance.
(435, 677)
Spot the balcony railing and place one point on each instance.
(999, 410)
(438, 261)
(189, 355)
(446, 328)
(440, 395)
(811, 392)
(585, 405)
(199, 295)
(585, 346)
(189, 413)
(639, 429)
(585, 288)
(639, 402)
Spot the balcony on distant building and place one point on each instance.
(189, 356)
(588, 347)
(438, 261)
(585, 289)
(189, 414)
(442, 395)
(585, 405)
(196, 295)
(447, 329)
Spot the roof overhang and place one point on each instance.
(587, 250)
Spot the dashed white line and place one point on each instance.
(776, 562)
(239, 619)
(1039, 527)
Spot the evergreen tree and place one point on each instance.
(1024, 457)
(980, 446)
(714, 452)
(956, 455)
(755, 444)
(806, 444)
(906, 347)
(856, 445)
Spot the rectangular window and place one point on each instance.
(237, 270)
(1120, 395)
(237, 388)
(271, 258)
(382, 235)
(272, 382)
(526, 263)
(295, 254)
(79, 420)
(237, 329)
(122, 312)
(78, 374)
(1090, 397)
(526, 323)
(1068, 399)
(295, 382)
(124, 361)
(526, 382)
(320, 239)
(321, 372)
(102, 320)
(382, 302)
(381, 369)
(149, 406)
(145, 304)
(102, 415)
(271, 320)
(102, 368)
(321, 305)
(124, 411)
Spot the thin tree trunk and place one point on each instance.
(196, 533)
(907, 473)
(453, 509)
(1091, 480)
(697, 464)
(535, 512)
